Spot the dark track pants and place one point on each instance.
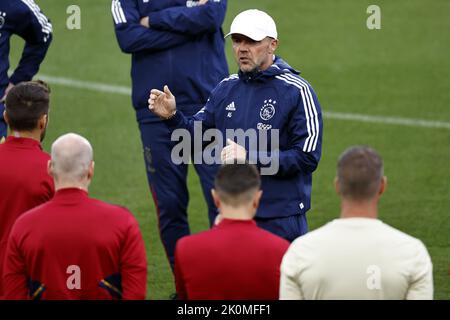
(168, 184)
(289, 228)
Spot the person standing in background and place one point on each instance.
(179, 43)
(24, 18)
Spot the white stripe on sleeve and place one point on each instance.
(308, 105)
(42, 19)
(313, 105)
(121, 13)
(117, 12)
(113, 11)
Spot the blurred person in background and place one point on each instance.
(357, 256)
(25, 19)
(179, 43)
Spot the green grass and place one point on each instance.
(401, 70)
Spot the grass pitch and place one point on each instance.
(402, 70)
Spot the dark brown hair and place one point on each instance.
(26, 103)
(359, 173)
(236, 184)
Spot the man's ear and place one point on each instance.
(257, 199)
(383, 186)
(47, 119)
(5, 117)
(215, 198)
(91, 170)
(273, 45)
(336, 186)
(49, 168)
(43, 120)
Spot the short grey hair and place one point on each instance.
(71, 155)
(359, 173)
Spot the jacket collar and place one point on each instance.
(70, 195)
(229, 222)
(25, 143)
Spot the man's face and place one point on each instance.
(253, 55)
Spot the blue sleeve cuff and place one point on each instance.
(154, 19)
(176, 121)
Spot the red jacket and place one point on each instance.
(235, 260)
(24, 184)
(75, 247)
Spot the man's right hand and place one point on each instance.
(161, 103)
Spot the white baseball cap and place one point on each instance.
(255, 24)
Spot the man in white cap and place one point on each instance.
(268, 97)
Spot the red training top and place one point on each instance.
(234, 260)
(75, 247)
(24, 183)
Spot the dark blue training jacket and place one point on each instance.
(24, 18)
(277, 98)
(183, 48)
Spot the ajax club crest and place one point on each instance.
(268, 109)
(2, 19)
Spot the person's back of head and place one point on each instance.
(237, 191)
(71, 164)
(360, 180)
(26, 108)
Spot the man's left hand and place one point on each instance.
(233, 153)
(145, 22)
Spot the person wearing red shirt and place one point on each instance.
(236, 259)
(75, 247)
(24, 181)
